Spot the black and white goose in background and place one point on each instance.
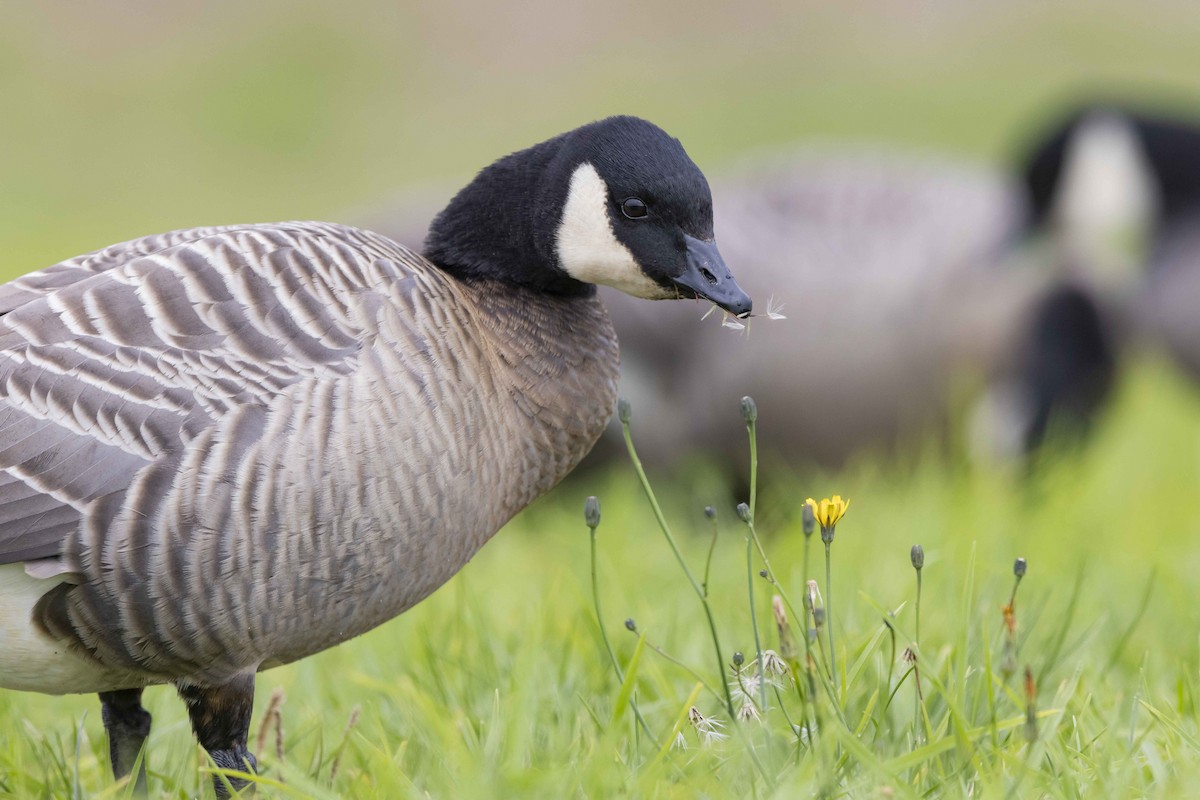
(229, 448)
(1136, 175)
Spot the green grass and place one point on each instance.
(499, 685)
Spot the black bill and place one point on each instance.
(707, 276)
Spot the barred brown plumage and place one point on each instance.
(224, 449)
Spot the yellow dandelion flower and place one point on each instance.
(828, 513)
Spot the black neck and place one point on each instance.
(501, 226)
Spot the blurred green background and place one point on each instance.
(126, 118)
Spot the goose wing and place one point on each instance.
(112, 362)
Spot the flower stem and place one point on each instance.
(662, 524)
(829, 617)
(751, 430)
(762, 684)
(918, 608)
(918, 699)
(808, 654)
(712, 546)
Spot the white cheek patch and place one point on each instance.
(1106, 185)
(587, 247)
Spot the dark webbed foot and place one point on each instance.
(221, 720)
(127, 725)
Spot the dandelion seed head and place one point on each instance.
(773, 664)
(774, 310)
(747, 712)
(813, 595)
(745, 686)
(709, 728)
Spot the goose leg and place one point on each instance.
(221, 720)
(127, 725)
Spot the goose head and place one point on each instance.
(617, 202)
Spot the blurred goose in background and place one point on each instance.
(1116, 189)
(230, 448)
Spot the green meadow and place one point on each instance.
(502, 684)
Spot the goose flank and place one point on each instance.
(228, 448)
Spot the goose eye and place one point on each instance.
(634, 208)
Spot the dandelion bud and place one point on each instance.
(918, 557)
(630, 625)
(591, 512)
(743, 512)
(1019, 568)
(710, 512)
(738, 658)
(808, 519)
(624, 411)
(749, 409)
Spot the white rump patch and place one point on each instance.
(29, 659)
(587, 247)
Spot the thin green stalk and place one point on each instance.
(762, 684)
(829, 617)
(918, 639)
(918, 699)
(750, 429)
(787, 601)
(666, 529)
(808, 654)
(607, 644)
(711, 513)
